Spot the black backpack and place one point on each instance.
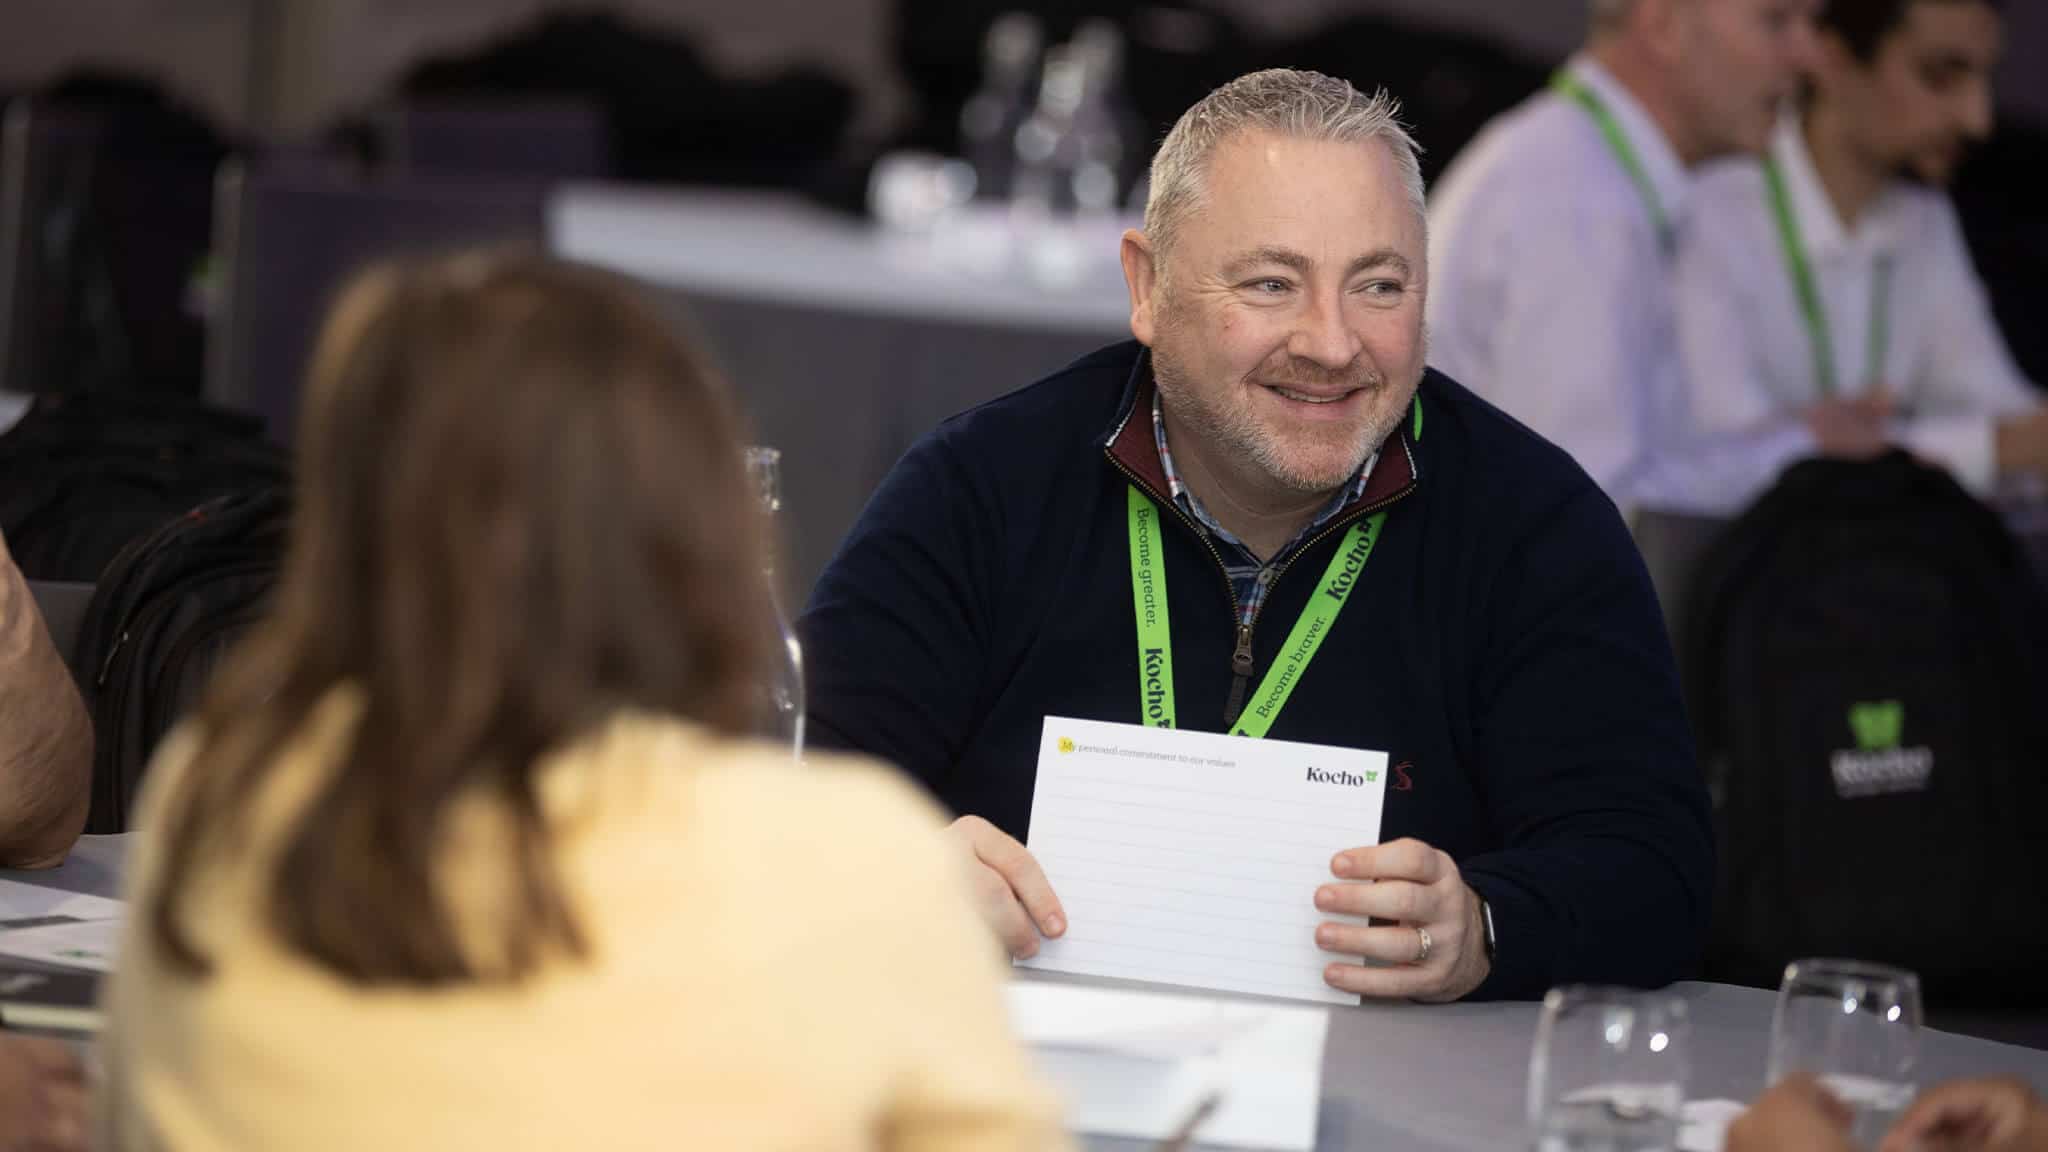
(165, 611)
(83, 474)
(1865, 665)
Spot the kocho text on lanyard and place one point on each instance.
(1155, 633)
(1814, 310)
(1574, 89)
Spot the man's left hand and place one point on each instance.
(1420, 889)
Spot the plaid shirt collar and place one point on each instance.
(1241, 556)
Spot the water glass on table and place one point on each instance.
(1856, 1027)
(1609, 1070)
(783, 710)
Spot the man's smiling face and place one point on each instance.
(1287, 324)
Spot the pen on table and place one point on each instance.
(1186, 1132)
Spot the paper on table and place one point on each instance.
(1703, 1124)
(1102, 1049)
(1193, 858)
(79, 944)
(20, 901)
(1150, 1026)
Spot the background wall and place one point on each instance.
(198, 47)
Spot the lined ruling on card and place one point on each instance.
(1193, 858)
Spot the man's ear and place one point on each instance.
(1141, 277)
(1665, 25)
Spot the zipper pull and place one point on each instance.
(1240, 677)
(107, 665)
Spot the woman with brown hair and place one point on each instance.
(465, 851)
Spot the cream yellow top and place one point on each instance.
(781, 958)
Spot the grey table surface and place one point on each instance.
(1439, 1078)
(94, 868)
(1424, 1078)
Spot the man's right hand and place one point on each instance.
(1016, 899)
(1851, 427)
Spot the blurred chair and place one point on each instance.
(62, 603)
(105, 191)
(46, 160)
(288, 241)
(1672, 544)
(541, 138)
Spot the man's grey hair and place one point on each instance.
(1282, 101)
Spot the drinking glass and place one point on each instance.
(785, 685)
(1856, 1027)
(1609, 1070)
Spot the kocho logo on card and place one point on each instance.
(1349, 779)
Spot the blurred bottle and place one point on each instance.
(1103, 124)
(1071, 149)
(992, 116)
(784, 719)
(1069, 155)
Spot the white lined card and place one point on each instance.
(1193, 858)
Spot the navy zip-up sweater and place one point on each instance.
(1503, 646)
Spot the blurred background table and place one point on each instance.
(845, 342)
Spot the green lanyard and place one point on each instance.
(1155, 634)
(1807, 287)
(1575, 90)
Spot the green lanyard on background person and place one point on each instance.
(1813, 309)
(1155, 632)
(1576, 90)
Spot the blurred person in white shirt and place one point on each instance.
(1552, 236)
(1827, 303)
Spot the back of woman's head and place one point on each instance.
(521, 509)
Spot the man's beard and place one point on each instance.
(1235, 430)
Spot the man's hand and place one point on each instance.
(1851, 427)
(1016, 899)
(2021, 442)
(42, 1096)
(1972, 1115)
(1420, 888)
(1796, 1116)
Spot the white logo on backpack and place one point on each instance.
(1883, 773)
